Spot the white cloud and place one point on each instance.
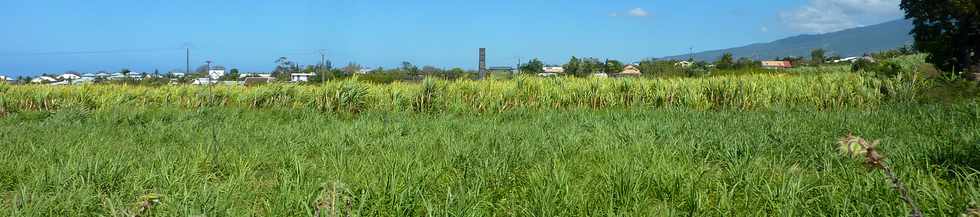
(638, 12)
(821, 16)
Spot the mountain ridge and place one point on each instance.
(849, 42)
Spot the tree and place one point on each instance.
(948, 30)
(590, 66)
(573, 66)
(726, 61)
(202, 70)
(232, 75)
(818, 56)
(351, 68)
(125, 71)
(533, 66)
(745, 63)
(429, 70)
(658, 68)
(455, 73)
(613, 66)
(284, 68)
(409, 68)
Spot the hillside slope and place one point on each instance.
(850, 42)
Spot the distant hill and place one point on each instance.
(850, 42)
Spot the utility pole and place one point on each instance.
(518, 65)
(208, 72)
(692, 53)
(323, 58)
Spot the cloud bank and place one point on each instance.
(821, 16)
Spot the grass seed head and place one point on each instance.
(973, 211)
(856, 147)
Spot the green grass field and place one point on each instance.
(520, 162)
(740, 143)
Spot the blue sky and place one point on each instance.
(54, 36)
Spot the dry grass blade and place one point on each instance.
(326, 204)
(146, 203)
(854, 146)
(973, 211)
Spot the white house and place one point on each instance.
(204, 81)
(364, 71)
(83, 80)
(69, 76)
(216, 72)
(854, 59)
(849, 59)
(556, 70)
(300, 77)
(684, 64)
(6, 79)
(43, 80)
(252, 75)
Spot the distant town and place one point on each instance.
(287, 71)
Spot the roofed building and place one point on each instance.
(631, 70)
(554, 69)
(777, 64)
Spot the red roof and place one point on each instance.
(777, 64)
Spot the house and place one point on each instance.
(849, 59)
(117, 76)
(102, 75)
(777, 64)
(300, 77)
(69, 76)
(216, 72)
(137, 76)
(176, 75)
(83, 80)
(204, 81)
(364, 71)
(43, 80)
(554, 70)
(684, 64)
(6, 79)
(254, 75)
(631, 70)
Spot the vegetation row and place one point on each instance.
(821, 91)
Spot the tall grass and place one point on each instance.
(759, 91)
(582, 162)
